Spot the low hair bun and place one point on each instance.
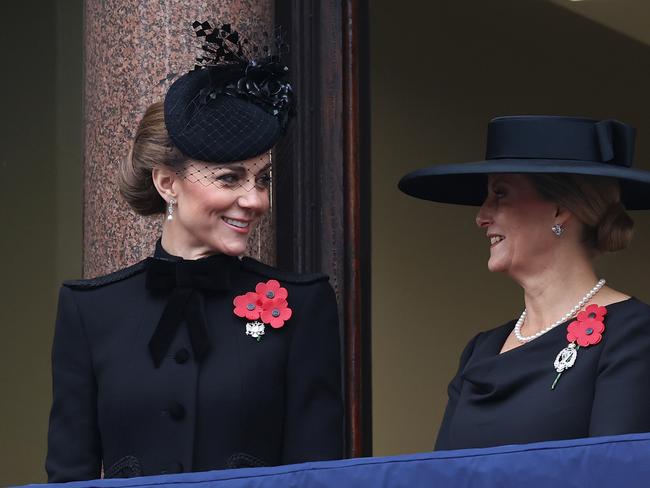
(596, 202)
(151, 147)
(615, 229)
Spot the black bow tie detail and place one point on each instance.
(186, 280)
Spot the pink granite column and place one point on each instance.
(131, 48)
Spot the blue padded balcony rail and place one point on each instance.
(614, 461)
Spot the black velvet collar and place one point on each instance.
(159, 252)
(166, 271)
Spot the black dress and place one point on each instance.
(497, 399)
(238, 402)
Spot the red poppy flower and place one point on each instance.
(248, 305)
(275, 312)
(585, 332)
(270, 290)
(593, 311)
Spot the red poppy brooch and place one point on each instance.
(586, 330)
(266, 305)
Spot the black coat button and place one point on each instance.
(181, 356)
(174, 467)
(177, 411)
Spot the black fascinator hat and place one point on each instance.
(539, 144)
(232, 106)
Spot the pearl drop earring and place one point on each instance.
(170, 209)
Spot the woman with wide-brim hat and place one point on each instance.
(553, 194)
(197, 359)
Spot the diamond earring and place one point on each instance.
(557, 229)
(170, 209)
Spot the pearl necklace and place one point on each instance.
(588, 296)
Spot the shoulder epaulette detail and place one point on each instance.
(114, 277)
(257, 267)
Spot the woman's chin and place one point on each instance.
(233, 251)
(495, 266)
(236, 248)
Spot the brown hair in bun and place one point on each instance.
(596, 202)
(151, 147)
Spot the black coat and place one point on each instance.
(498, 399)
(245, 403)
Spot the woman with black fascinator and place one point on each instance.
(554, 193)
(196, 359)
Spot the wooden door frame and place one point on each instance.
(322, 198)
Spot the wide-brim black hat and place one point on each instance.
(539, 144)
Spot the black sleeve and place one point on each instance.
(313, 428)
(622, 394)
(454, 392)
(73, 451)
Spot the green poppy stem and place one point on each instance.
(555, 382)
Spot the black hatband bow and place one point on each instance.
(186, 280)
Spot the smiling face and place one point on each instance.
(518, 222)
(218, 206)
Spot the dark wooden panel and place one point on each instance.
(321, 198)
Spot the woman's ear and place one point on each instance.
(164, 179)
(562, 215)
